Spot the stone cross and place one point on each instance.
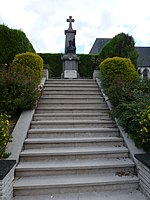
(70, 20)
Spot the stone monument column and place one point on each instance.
(70, 59)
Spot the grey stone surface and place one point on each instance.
(109, 195)
(70, 59)
(19, 134)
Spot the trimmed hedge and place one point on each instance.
(12, 42)
(86, 65)
(112, 68)
(53, 63)
(31, 60)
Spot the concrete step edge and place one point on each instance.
(69, 114)
(35, 166)
(73, 130)
(75, 108)
(71, 140)
(72, 151)
(53, 122)
(71, 181)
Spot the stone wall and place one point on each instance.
(7, 168)
(144, 172)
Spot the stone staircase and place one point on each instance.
(73, 147)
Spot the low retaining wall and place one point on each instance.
(144, 172)
(7, 168)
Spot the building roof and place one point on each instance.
(143, 52)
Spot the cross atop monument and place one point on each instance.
(70, 20)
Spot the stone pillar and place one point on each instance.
(70, 59)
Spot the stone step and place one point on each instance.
(71, 104)
(86, 85)
(71, 92)
(72, 124)
(71, 101)
(70, 81)
(68, 88)
(122, 194)
(71, 96)
(63, 153)
(73, 132)
(67, 109)
(71, 116)
(36, 143)
(117, 166)
(72, 183)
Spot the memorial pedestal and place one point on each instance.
(70, 59)
(70, 66)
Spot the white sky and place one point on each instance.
(44, 21)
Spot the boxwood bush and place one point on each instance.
(31, 60)
(116, 73)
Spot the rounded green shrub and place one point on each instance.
(112, 68)
(31, 60)
(116, 74)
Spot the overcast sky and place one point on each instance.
(44, 21)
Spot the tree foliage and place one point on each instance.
(12, 42)
(121, 45)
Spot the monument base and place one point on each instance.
(70, 66)
(70, 74)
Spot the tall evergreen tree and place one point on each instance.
(12, 42)
(121, 45)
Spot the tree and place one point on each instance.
(12, 42)
(121, 45)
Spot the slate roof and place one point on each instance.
(143, 52)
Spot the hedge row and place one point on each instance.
(53, 63)
(12, 42)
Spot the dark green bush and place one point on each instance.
(130, 97)
(12, 42)
(134, 117)
(133, 112)
(18, 88)
(121, 45)
(33, 61)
